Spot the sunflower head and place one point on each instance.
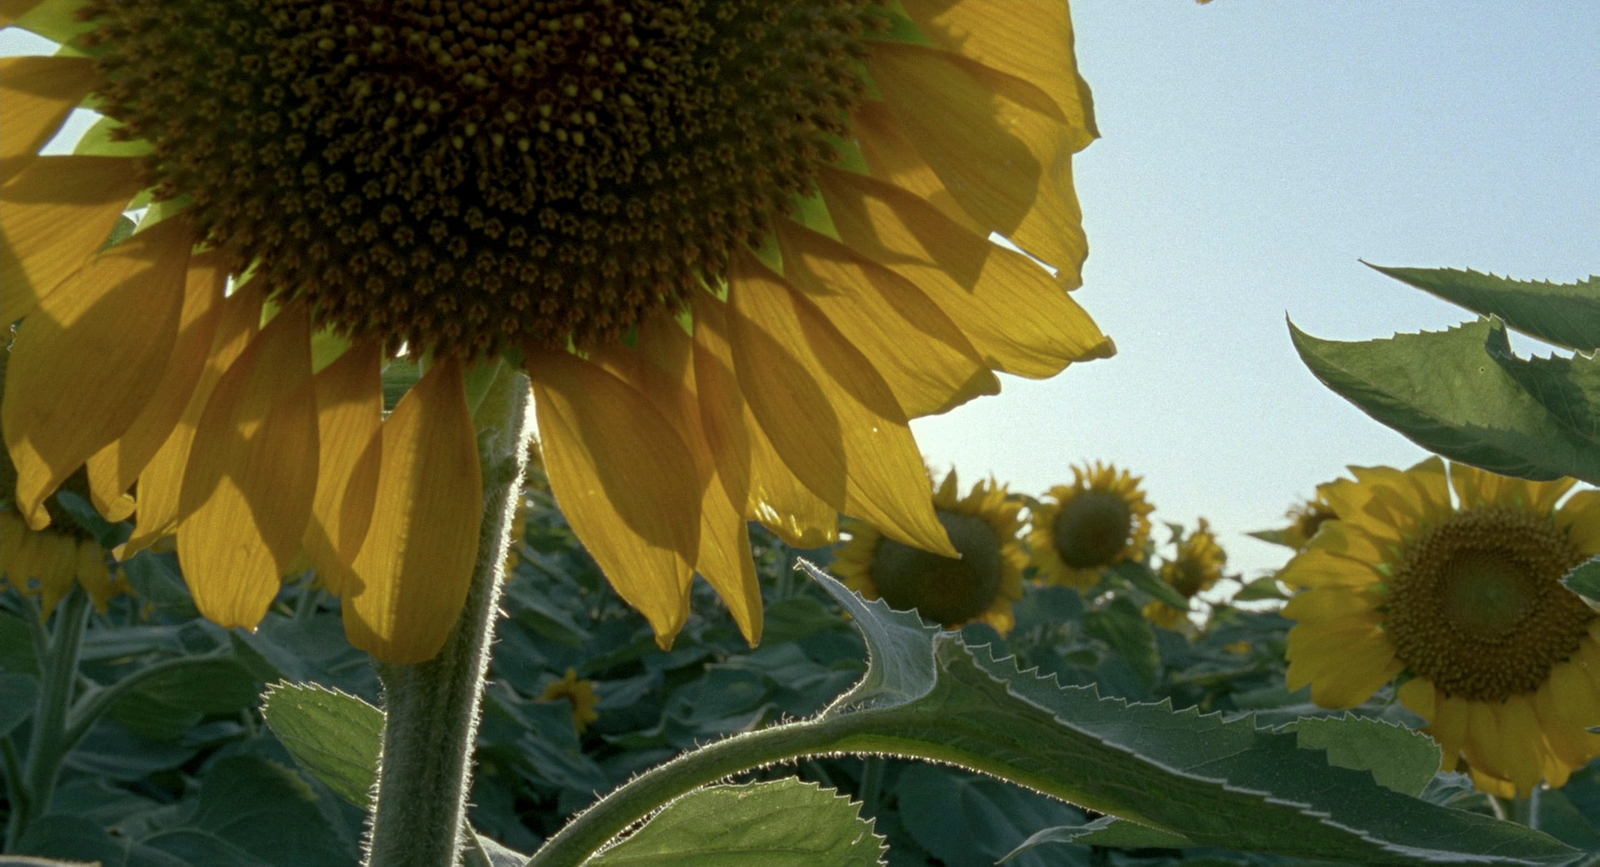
(980, 586)
(1304, 520)
(1461, 598)
(1195, 568)
(579, 693)
(1099, 520)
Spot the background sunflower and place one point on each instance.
(1196, 566)
(1099, 520)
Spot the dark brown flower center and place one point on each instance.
(943, 589)
(1092, 528)
(467, 175)
(1476, 603)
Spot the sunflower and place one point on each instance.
(579, 693)
(1462, 600)
(1196, 567)
(735, 246)
(1305, 519)
(1099, 520)
(979, 586)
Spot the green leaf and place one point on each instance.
(1444, 392)
(484, 852)
(1566, 314)
(1568, 388)
(1222, 783)
(1585, 581)
(1265, 587)
(266, 810)
(1123, 627)
(1146, 579)
(784, 823)
(1399, 758)
(168, 703)
(966, 820)
(334, 736)
(1104, 831)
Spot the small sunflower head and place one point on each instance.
(1305, 519)
(579, 693)
(1461, 598)
(1101, 519)
(980, 586)
(1197, 566)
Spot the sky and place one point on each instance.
(1252, 153)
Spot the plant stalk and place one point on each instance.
(419, 813)
(58, 670)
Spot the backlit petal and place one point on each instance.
(349, 419)
(54, 215)
(1014, 314)
(415, 564)
(826, 409)
(248, 487)
(1017, 182)
(38, 94)
(625, 481)
(923, 356)
(102, 342)
(114, 469)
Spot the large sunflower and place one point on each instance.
(735, 245)
(979, 586)
(1099, 520)
(1462, 600)
(1193, 570)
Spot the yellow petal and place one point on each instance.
(115, 468)
(56, 567)
(38, 93)
(415, 565)
(1032, 41)
(1522, 743)
(251, 476)
(93, 575)
(662, 369)
(1001, 145)
(161, 481)
(625, 482)
(103, 340)
(1019, 320)
(1327, 603)
(826, 409)
(894, 160)
(1485, 748)
(1580, 514)
(349, 418)
(1318, 567)
(54, 215)
(1449, 728)
(1419, 695)
(924, 358)
(11, 10)
(748, 467)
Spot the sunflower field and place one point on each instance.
(479, 433)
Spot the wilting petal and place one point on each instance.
(161, 481)
(625, 481)
(248, 487)
(86, 361)
(54, 215)
(1018, 183)
(349, 419)
(415, 565)
(39, 93)
(1016, 316)
(923, 356)
(748, 467)
(826, 410)
(115, 468)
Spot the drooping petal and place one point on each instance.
(749, 468)
(1018, 183)
(415, 564)
(625, 481)
(923, 356)
(826, 409)
(1014, 314)
(349, 418)
(161, 481)
(115, 468)
(54, 215)
(38, 93)
(894, 160)
(86, 361)
(251, 476)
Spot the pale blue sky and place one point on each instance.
(1252, 151)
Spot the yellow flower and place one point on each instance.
(1099, 520)
(980, 586)
(735, 245)
(1196, 567)
(1463, 602)
(580, 693)
(1304, 521)
(45, 563)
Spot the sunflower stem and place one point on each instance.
(418, 816)
(58, 670)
